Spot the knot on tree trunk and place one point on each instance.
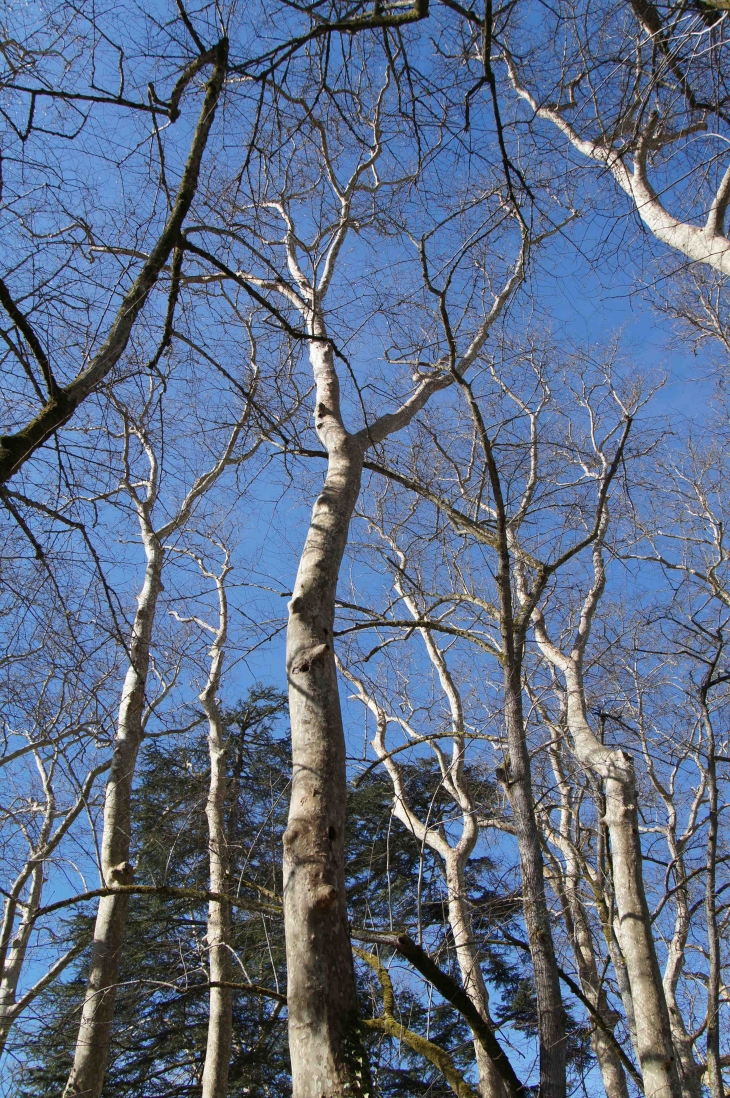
(305, 660)
(122, 874)
(309, 849)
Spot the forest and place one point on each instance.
(364, 568)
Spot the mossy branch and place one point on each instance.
(388, 1023)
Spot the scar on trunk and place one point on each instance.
(310, 657)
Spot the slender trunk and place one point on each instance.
(653, 1031)
(714, 1073)
(655, 1047)
(220, 1021)
(622, 980)
(94, 1037)
(654, 1044)
(579, 932)
(612, 1072)
(13, 966)
(472, 979)
(220, 1024)
(13, 949)
(518, 784)
(328, 1060)
(689, 1069)
(516, 778)
(604, 898)
(454, 859)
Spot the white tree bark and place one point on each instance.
(689, 1069)
(453, 858)
(220, 1018)
(14, 941)
(326, 1051)
(707, 244)
(655, 1046)
(92, 1047)
(568, 885)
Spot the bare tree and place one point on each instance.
(50, 107)
(220, 1024)
(629, 88)
(491, 505)
(44, 823)
(143, 489)
(495, 1072)
(356, 185)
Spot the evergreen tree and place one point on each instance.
(162, 1003)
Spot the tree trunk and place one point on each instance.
(13, 966)
(453, 858)
(516, 778)
(94, 1037)
(579, 932)
(687, 1066)
(654, 1044)
(220, 1023)
(328, 1060)
(220, 1020)
(653, 1033)
(612, 1072)
(655, 1047)
(714, 1072)
(518, 784)
(472, 979)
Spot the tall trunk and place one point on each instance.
(220, 1020)
(653, 1031)
(94, 1037)
(714, 974)
(579, 932)
(453, 858)
(603, 894)
(622, 979)
(324, 1039)
(687, 1066)
(516, 778)
(655, 1046)
(328, 1059)
(472, 978)
(518, 784)
(612, 1072)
